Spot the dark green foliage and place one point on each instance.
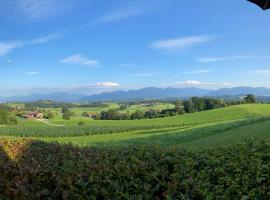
(139, 114)
(5, 116)
(65, 109)
(197, 104)
(80, 123)
(151, 114)
(85, 114)
(67, 115)
(123, 107)
(36, 170)
(112, 114)
(179, 107)
(49, 115)
(94, 105)
(168, 112)
(47, 104)
(250, 98)
(12, 120)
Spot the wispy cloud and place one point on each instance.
(145, 74)
(133, 9)
(202, 71)
(9, 46)
(128, 65)
(181, 43)
(197, 84)
(79, 60)
(97, 85)
(46, 39)
(231, 58)
(35, 10)
(190, 83)
(262, 72)
(32, 73)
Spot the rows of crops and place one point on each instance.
(216, 115)
(201, 136)
(72, 131)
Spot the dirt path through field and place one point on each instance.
(48, 123)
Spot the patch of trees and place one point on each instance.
(196, 104)
(6, 117)
(115, 114)
(94, 105)
(193, 104)
(67, 114)
(47, 104)
(250, 99)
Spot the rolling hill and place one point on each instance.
(145, 93)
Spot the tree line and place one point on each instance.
(6, 117)
(191, 105)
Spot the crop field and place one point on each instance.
(79, 110)
(219, 153)
(164, 131)
(216, 115)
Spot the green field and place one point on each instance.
(79, 110)
(207, 128)
(217, 154)
(229, 113)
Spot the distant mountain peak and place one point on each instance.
(144, 93)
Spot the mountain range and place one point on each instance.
(145, 93)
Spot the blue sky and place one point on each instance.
(97, 45)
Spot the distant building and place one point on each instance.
(93, 115)
(33, 115)
(28, 116)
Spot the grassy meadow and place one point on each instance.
(218, 126)
(217, 154)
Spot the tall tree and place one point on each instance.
(250, 98)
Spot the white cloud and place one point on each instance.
(189, 83)
(34, 10)
(133, 9)
(181, 43)
(164, 84)
(79, 60)
(128, 65)
(263, 72)
(8, 47)
(145, 74)
(97, 85)
(31, 73)
(199, 84)
(202, 71)
(107, 84)
(46, 39)
(231, 58)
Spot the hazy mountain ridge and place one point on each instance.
(58, 96)
(145, 93)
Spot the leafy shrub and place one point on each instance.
(12, 120)
(80, 123)
(37, 170)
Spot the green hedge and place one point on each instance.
(37, 170)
